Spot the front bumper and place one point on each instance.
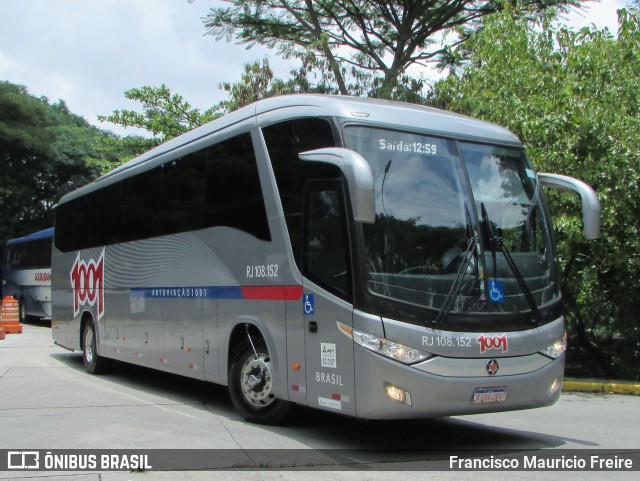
(433, 395)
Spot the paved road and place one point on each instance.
(47, 401)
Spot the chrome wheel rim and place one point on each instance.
(89, 345)
(256, 381)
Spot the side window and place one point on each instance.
(76, 223)
(39, 253)
(216, 186)
(143, 198)
(233, 195)
(110, 203)
(284, 142)
(15, 256)
(11, 256)
(325, 257)
(183, 184)
(64, 227)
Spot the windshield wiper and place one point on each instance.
(384, 178)
(493, 239)
(457, 283)
(496, 240)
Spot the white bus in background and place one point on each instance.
(375, 259)
(26, 273)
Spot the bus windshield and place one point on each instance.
(455, 213)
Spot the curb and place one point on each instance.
(571, 385)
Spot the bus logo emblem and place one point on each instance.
(87, 282)
(492, 367)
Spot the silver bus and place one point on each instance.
(371, 258)
(26, 273)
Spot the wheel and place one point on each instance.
(251, 386)
(93, 363)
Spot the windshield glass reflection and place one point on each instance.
(419, 241)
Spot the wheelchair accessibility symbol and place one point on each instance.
(309, 305)
(496, 291)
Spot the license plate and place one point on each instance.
(489, 395)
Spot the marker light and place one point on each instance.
(394, 350)
(557, 348)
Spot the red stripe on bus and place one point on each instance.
(292, 293)
(272, 293)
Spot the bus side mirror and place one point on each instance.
(359, 178)
(590, 201)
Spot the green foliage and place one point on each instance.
(112, 151)
(376, 39)
(42, 149)
(165, 115)
(258, 82)
(573, 97)
(46, 152)
(168, 115)
(350, 48)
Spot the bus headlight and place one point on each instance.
(394, 350)
(557, 348)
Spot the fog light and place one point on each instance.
(555, 385)
(397, 394)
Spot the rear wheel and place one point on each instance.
(251, 385)
(93, 363)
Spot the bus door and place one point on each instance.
(326, 298)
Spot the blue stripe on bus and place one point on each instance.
(269, 293)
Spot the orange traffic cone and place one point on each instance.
(10, 317)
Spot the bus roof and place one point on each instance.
(41, 234)
(357, 109)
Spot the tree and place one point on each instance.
(573, 97)
(356, 38)
(43, 154)
(165, 115)
(111, 151)
(258, 82)
(25, 146)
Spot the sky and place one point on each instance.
(89, 52)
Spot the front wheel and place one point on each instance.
(93, 363)
(251, 386)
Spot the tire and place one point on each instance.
(93, 363)
(251, 386)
